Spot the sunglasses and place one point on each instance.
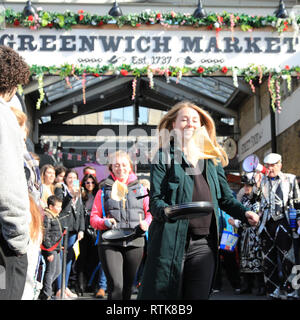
(90, 182)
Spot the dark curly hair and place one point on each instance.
(13, 70)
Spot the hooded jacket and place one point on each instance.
(14, 202)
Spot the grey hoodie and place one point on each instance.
(14, 201)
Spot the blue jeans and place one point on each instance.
(101, 283)
(102, 279)
(70, 258)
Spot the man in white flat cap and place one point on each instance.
(279, 193)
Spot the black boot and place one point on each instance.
(80, 284)
(261, 291)
(246, 290)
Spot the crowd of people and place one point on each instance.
(113, 234)
(263, 260)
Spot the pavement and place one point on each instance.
(227, 293)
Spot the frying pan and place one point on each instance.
(189, 210)
(118, 234)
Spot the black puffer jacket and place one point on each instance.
(52, 232)
(71, 216)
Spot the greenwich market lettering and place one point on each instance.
(145, 44)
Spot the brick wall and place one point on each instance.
(288, 142)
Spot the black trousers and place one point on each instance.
(198, 269)
(13, 270)
(227, 260)
(277, 244)
(87, 260)
(120, 265)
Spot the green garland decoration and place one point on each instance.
(252, 74)
(213, 21)
(68, 19)
(40, 78)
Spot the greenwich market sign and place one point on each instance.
(156, 48)
(153, 43)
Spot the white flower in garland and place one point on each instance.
(179, 76)
(167, 75)
(150, 77)
(288, 79)
(235, 76)
(278, 23)
(277, 69)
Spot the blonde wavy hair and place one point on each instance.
(205, 120)
(43, 172)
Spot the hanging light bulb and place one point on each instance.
(281, 12)
(29, 9)
(115, 11)
(199, 12)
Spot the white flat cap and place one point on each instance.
(272, 158)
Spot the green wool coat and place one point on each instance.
(171, 185)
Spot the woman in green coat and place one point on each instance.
(181, 254)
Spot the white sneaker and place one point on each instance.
(70, 294)
(276, 294)
(293, 295)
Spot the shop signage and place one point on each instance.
(153, 47)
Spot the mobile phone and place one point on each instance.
(76, 184)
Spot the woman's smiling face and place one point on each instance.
(187, 121)
(121, 168)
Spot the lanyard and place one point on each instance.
(103, 214)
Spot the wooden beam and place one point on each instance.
(92, 130)
(110, 103)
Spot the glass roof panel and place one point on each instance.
(61, 88)
(207, 86)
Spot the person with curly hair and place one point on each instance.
(14, 202)
(14, 71)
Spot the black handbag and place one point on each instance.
(89, 230)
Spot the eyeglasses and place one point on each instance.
(88, 182)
